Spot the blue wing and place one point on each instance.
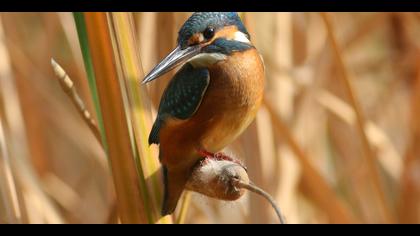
(181, 98)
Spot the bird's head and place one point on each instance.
(205, 38)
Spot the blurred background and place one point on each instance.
(337, 140)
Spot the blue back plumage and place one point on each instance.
(181, 98)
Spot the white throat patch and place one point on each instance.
(206, 59)
(241, 37)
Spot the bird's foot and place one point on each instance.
(220, 156)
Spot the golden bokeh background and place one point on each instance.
(337, 140)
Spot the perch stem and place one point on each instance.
(253, 188)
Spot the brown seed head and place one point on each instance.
(216, 179)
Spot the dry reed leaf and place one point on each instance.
(35, 200)
(388, 156)
(408, 204)
(319, 189)
(367, 150)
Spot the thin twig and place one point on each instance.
(69, 88)
(253, 188)
(370, 157)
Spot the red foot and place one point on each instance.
(219, 156)
(205, 153)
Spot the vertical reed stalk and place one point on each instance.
(84, 45)
(11, 207)
(370, 157)
(131, 195)
(31, 199)
(139, 107)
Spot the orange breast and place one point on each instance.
(229, 105)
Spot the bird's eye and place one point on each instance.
(208, 33)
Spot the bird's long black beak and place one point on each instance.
(176, 57)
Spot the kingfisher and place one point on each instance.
(210, 100)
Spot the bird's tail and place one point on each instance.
(174, 183)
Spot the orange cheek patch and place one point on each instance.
(226, 32)
(196, 39)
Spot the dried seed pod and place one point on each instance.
(216, 178)
(225, 178)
